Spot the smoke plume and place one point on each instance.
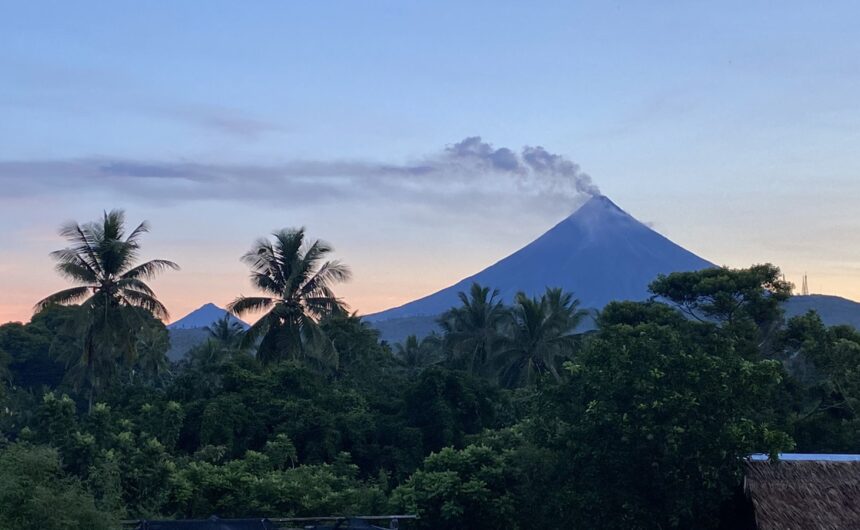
(470, 170)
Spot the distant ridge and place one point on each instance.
(833, 310)
(204, 316)
(600, 253)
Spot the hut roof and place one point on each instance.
(804, 494)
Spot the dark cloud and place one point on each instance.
(139, 170)
(468, 172)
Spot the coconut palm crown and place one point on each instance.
(473, 329)
(225, 331)
(112, 291)
(297, 282)
(542, 334)
(102, 260)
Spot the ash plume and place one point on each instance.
(470, 171)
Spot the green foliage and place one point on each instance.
(415, 355)
(826, 361)
(32, 348)
(745, 302)
(653, 422)
(473, 331)
(726, 294)
(465, 488)
(541, 336)
(360, 355)
(640, 424)
(447, 406)
(35, 494)
(152, 345)
(226, 332)
(255, 484)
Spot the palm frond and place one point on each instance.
(249, 304)
(324, 306)
(330, 272)
(77, 271)
(66, 296)
(137, 285)
(150, 268)
(288, 242)
(265, 282)
(145, 301)
(141, 229)
(260, 255)
(84, 248)
(311, 255)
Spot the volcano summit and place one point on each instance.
(600, 253)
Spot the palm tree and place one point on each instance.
(152, 345)
(473, 330)
(409, 352)
(541, 334)
(226, 331)
(225, 341)
(101, 259)
(298, 283)
(415, 354)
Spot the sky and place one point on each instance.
(426, 140)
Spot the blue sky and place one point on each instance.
(731, 127)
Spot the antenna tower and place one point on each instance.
(805, 289)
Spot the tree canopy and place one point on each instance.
(511, 415)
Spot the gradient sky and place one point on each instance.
(732, 128)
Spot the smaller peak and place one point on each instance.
(205, 315)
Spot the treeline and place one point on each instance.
(509, 417)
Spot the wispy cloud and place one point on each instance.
(93, 91)
(221, 120)
(470, 171)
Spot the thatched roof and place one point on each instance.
(804, 494)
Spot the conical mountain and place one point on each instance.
(205, 315)
(600, 253)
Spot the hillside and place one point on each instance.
(833, 310)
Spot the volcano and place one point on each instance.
(600, 253)
(191, 330)
(205, 315)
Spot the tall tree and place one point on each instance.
(726, 295)
(745, 303)
(650, 427)
(102, 260)
(825, 365)
(541, 335)
(298, 282)
(153, 342)
(473, 330)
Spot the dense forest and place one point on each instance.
(509, 417)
